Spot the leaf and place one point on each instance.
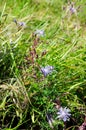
(33, 118)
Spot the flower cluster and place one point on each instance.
(63, 114)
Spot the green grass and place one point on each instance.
(26, 96)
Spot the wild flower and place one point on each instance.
(23, 24)
(63, 114)
(47, 70)
(72, 10)
(15, 21)
(50, 120)
(39, 33)
(20, 24)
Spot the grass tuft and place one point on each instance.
(36, 36)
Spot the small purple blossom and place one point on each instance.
(47, 70)
(50, 120)
(15, 21)
(39, 33)
(72, 10)
(22, 24)
(63, 114)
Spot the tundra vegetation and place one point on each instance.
(43, 65)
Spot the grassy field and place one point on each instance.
(42, 65)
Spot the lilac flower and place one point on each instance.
(63, 114)
(72, 10)
(50, 120)
(39, 33)
(22, 24)
(47, 70)
(15, 21)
